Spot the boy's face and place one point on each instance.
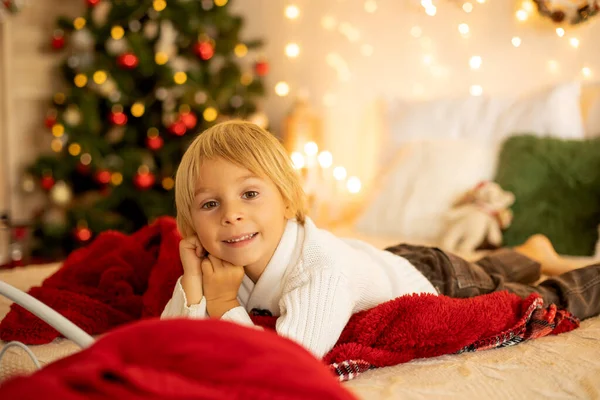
(238, 216)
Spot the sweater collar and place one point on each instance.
(267, 291)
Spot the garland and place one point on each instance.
(558, 15)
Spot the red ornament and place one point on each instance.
(178, 128)
(92, 3)
(82, 168)
(204, 50)
(50, 121)
(155, 143)
(118, 118)
(58, 41)
(189, 119)
(144, 181)
(103, 176)
(47, 182)
(127, 60)
(261, 68)
(82, 234)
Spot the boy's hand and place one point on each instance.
(191, 253)
(221, 282)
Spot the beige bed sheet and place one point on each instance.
(564, 366)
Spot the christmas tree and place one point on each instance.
(142, 78)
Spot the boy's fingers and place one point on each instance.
(207, 267)
(216, 263)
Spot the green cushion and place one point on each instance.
(556, 184)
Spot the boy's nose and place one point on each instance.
(232, 215)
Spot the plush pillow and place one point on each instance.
(557, 188)
(424, 179)
(554, 111)
(441, 148)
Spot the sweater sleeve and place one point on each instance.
(177, 307)
(315, 313)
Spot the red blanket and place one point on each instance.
(182, 359)
(119, 279)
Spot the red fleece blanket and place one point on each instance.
(119, 279)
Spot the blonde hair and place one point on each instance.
(246, 145)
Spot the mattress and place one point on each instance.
(564, 366)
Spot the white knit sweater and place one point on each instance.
(314, 282)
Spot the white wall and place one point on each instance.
(28, 81)
(397, 66)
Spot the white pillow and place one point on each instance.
(447, 146)
(549, 112)
(426, 177)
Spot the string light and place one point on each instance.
(100, 77)
(59, 98)
(246, 78)
(574, 42)
(80, 80)
(138, 109)
(86, 159)
(240, 50)
(282, 89)
(311, 149)
(553, 66)
(292, 11)
(161, 58)
(297, 160)
(159, 5)
(74, 149)
(522, 15)
(168, 183)
(210, 114)
(339, 173)
(353, 184)
(560, 32)
(180, 77)
(463, 29)
(586, 72)
(58, 130)
(56, 145)
(117, 32)
(516, 41)
(292, 50)
(467, 7)
(325, 159)
(475, 62)
(328, 23)
(370, 6)
(79, 23)
(476, 90)
(116, 178)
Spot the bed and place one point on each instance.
(565, 366)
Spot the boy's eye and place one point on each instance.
(209, 204)
(251, 194)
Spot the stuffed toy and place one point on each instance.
(482, 213)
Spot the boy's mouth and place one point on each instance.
(242, 238)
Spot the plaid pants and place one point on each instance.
(578, 291)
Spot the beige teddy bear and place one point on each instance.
(481, 213)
